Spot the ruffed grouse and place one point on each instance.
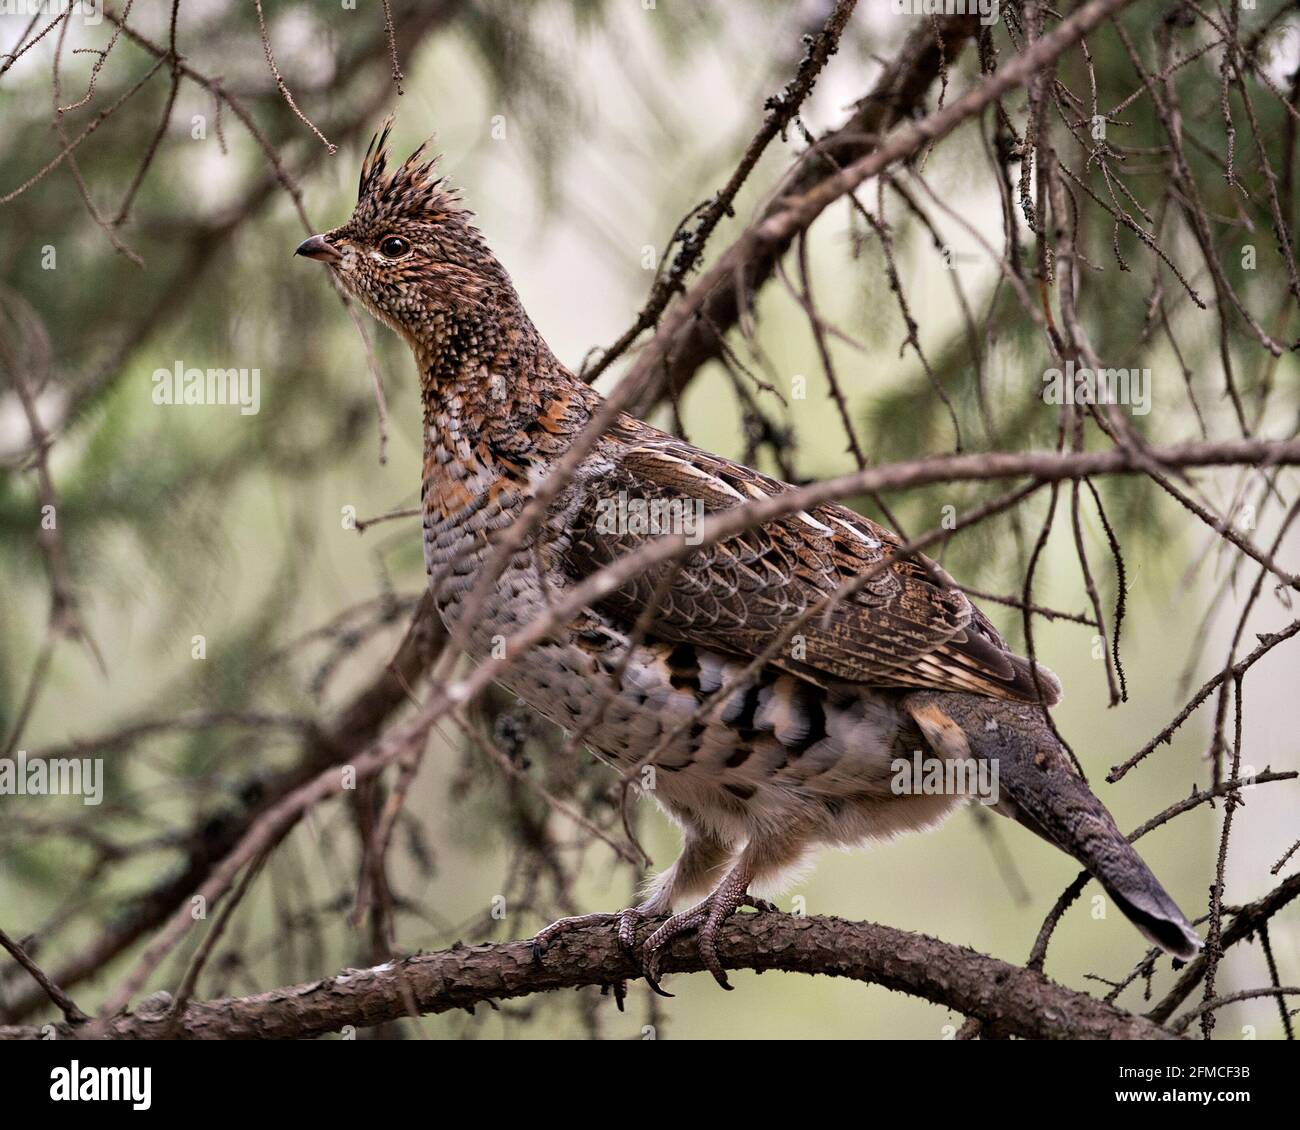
(802, 753)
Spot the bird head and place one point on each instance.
(409, 251)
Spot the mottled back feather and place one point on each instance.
(906, 625)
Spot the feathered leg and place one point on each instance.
(762, 858)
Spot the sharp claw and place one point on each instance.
(655, 987)
(649, 964)
(714, 966)
(542, 940)
(709, 955)
(619, 989)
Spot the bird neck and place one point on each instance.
(496, 400)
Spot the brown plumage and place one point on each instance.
(906, 627)
(756, 768)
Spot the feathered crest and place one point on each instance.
(412, 187)
(376, 159)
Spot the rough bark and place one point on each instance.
(1008, 999)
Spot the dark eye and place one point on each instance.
(394, 246)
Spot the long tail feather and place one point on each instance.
(1039, 787)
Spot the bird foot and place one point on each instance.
(628, 920)
(707, 917)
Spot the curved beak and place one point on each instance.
(317, 247)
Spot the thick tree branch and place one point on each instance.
(1009, 999)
